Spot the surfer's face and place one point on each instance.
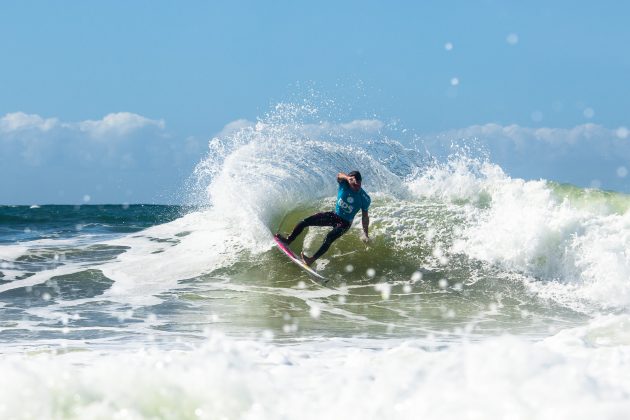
(354, 184)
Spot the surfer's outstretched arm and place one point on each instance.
(365, 221)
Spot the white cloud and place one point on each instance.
(517, 133)
(366, 126)
(120, 124)
(19, 121)
(235, 126)
(576, 155)
(117, 125)
(37, 141)
(341, 129)
(120, 157)
(527, 137)
(312, 131)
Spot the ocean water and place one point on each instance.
(481, 296)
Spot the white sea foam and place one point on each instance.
(159, 257)
(572, 249)
(39, 278)
(12, 252)
(504, 377)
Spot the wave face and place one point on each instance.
(469, 270)
(564, 243)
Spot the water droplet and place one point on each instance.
(537, 116)
(589, 113)
(416, 277)
(385, 290)
(512, 39)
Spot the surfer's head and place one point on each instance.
(355, 180)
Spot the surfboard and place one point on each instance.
(296, 259)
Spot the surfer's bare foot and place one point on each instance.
(307, 260)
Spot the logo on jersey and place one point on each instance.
(350, 200)
(345, 206)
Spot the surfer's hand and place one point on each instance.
(366, 239)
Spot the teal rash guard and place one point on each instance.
(349, 201)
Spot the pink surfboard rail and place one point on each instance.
(296, 259)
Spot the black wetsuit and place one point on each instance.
(329, 218)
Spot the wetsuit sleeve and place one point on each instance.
(343, 185)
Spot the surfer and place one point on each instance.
(350, 199)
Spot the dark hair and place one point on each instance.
(356, 175)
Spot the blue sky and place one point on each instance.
(163, 77)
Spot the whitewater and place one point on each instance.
(481, 296)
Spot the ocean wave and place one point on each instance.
(560, 239)
(458, 221)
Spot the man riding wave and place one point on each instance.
(350, 199)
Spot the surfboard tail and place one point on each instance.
(284, 247)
